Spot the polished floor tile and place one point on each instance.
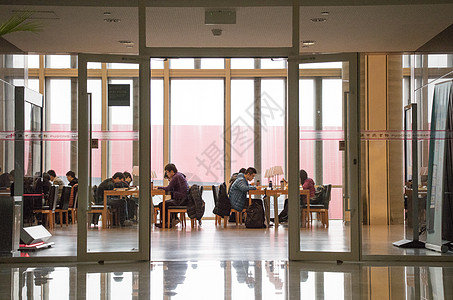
(240, 279)
(209, 242)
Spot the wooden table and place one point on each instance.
(273, 193)
(114, 193)
(135, 193)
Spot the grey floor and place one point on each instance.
(209, 242)
(237, 279)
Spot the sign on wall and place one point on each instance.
(119, 95)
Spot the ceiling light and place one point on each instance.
(128, 44)
(307, 43)
(324, 13)
(318, 20)
(112, 20)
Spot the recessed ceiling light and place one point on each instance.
(128, 44)
(307, 43)
(324, 13)
(112, 20)
(318, 20)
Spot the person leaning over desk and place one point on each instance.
(117, 203)
(307, 184)
(240, 187)
(178, 187)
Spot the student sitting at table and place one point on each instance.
(307, 184)
(116, 203)
(131, 202)
(70, 176)
(240, 187)
(178, 187)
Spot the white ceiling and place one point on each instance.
(76, 29)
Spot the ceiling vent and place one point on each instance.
(219, 16)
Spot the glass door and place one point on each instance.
(325, 213)
(114, 142)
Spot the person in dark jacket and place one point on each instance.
(116, 203)
(239, 189)
(6, 179)
(178, 187)
(70, 176)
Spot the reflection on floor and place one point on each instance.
(209, 242)
(225, 280)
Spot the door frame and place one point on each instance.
(84, 152)
(352, 139)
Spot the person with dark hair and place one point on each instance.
(55, 179)
(127, 177)
(307, 184)
(115, 203)
(240, 187)
(234, 176)
(131, 202)
(6, 179)
(178, 187)
(46, 184)
(70, 176)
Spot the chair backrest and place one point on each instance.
(215, 193)
(65, 195)
(327, 195)
(53, 197)
(74, 190)
(76, 199)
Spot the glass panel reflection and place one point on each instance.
(322, 105)
(225, 280)
(112, 218)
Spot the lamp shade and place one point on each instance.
(135, 171)
(278, 170)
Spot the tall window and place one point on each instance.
(157, 129)
(272, 123)
(242, 134)
(332, 121)
(197, 110)
(59, 99)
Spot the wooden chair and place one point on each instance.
(64, 205)
(73, 208)
(182, 210)
(49, 210)
(155, 210)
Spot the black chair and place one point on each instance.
(49, 210)
(63, 207)
(322, 209)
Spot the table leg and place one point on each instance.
(276, 211)
(267, 207)
(162, 213)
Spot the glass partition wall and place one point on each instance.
(256, 131)
(389, 198)
(112, 209)
(326, 142)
